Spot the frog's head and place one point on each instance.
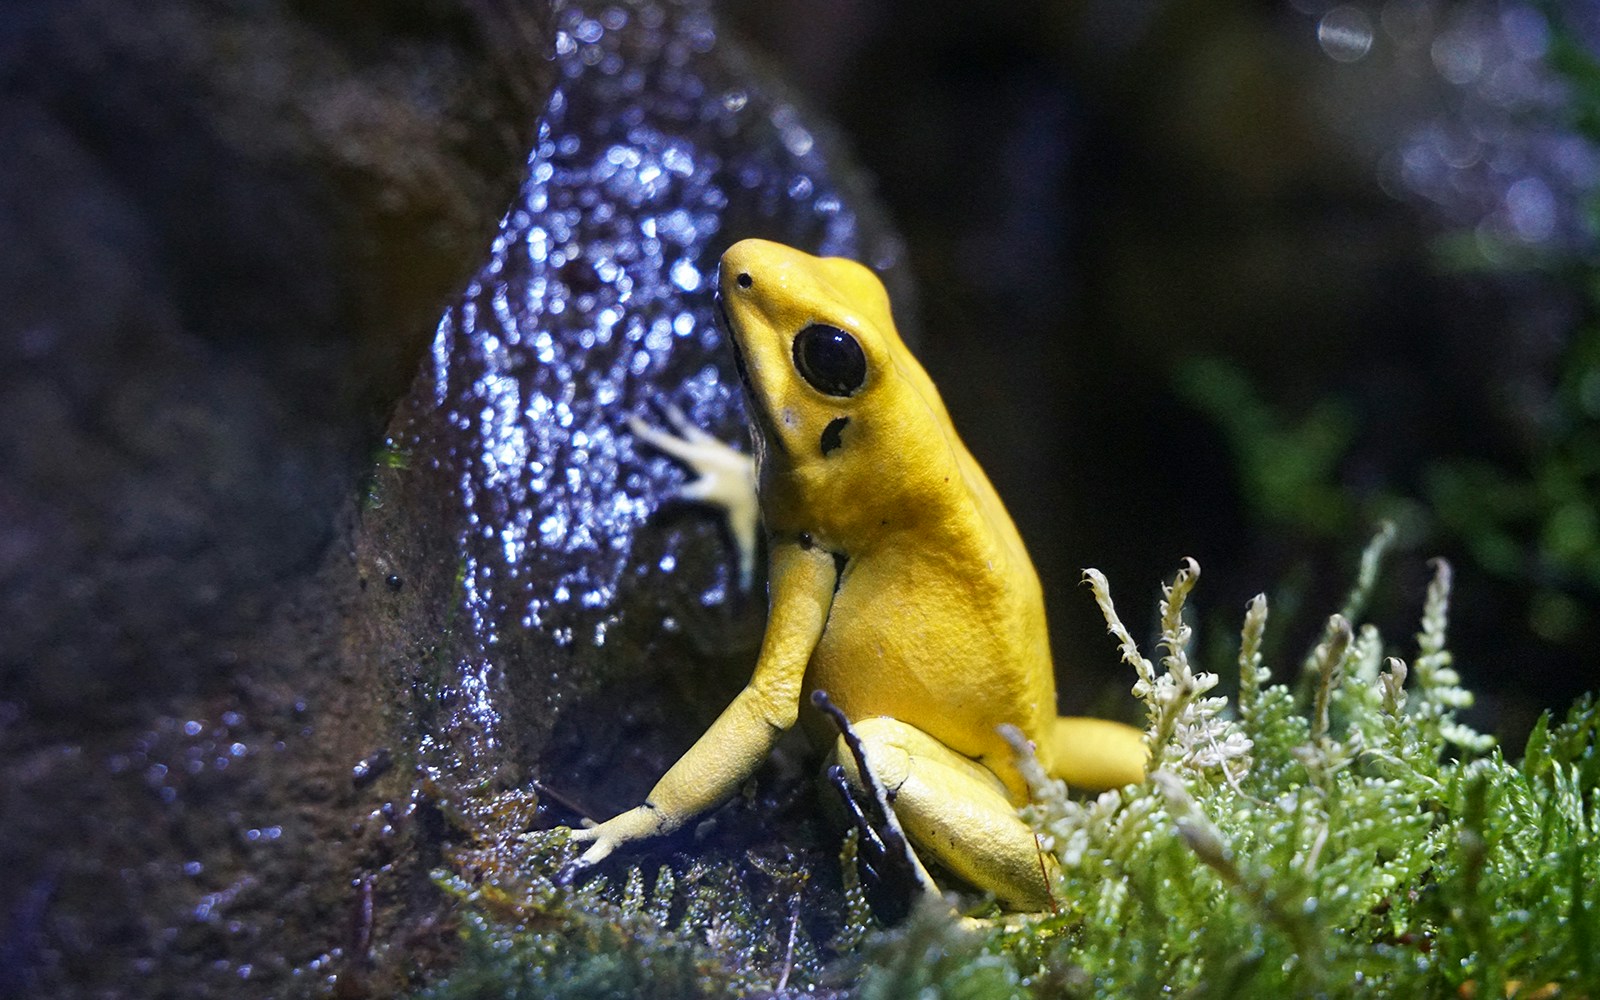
(839, 407)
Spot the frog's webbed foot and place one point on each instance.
(725, 478)
(892, 874)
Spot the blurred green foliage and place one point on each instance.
(1288, 470)
(1532, 521)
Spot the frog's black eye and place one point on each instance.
(830, 359)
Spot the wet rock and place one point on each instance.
(565, 619)
(249, 676)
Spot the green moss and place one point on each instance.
(1353, 838)
(1355, 841)
(596, 962)
(714, 926)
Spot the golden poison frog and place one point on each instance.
(898, 585)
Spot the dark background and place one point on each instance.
(1100, 198)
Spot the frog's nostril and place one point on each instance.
(744, 279)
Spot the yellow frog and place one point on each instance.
(898, 585)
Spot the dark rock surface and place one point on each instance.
(256, 655)
(229, 230)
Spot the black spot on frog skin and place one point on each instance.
(830, 434)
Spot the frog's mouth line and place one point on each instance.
(725, 323)
(764, 427)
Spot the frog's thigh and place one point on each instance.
(953, 809)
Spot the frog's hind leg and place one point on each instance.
(725, 478)
(891, 872)
(953, 810)
(1096, 754)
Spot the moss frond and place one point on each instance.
(1366, 843)
(1361, 841)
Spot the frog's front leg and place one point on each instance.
(953, 810)
(803, 577)
(725, 479)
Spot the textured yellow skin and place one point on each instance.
(931, 637)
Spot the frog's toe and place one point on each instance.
(570, 872)
(599, 849)
(685, 427)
